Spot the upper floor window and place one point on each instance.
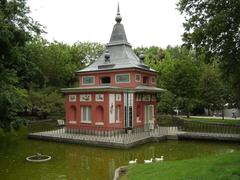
(145, 80)
(88, 80)
(122, 78)
(138, 77)
(153, 80)
(105, 80)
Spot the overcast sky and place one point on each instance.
(146, 22)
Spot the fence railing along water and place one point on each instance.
(207, 127)
(115, 137)
(99, 134)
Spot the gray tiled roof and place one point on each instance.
(121, 53)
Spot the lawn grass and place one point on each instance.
(223, 166)
(214, 120)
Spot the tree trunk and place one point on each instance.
(208, 111)
(223, 113)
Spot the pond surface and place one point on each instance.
(71, 161)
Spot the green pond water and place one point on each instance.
(71, 161)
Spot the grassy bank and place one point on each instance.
(214, 120)
(224, 166)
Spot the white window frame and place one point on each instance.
(139, 78)
(88, 83)
(88, 109)
(122, 74)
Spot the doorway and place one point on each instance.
(149, 117)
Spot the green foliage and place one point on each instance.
(214, 26)
(16, 29)
(58, 62)
(211, 88)
(180, 77)
(46, 101)
(167, 120)
(167, 103)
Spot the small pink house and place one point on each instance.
(117, 91)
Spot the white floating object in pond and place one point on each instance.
(159, 159)
(148, 161)
(133, 161)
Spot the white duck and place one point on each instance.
(159, 159)
(148, 161)
(132, 161)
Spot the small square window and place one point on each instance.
(138, 77)
(88, 80)
(105, 80)
(145, 79)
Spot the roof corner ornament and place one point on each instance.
(141, 57)
(118, 17)
(107, 56)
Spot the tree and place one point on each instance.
(180, 77)
(46, 101)
(57, 62)
(16, 29)
(211, 92)
(167, 103)
(214, 27)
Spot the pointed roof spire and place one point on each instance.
(118, 17)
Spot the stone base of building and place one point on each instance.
(128, 140)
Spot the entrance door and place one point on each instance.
(148, 117)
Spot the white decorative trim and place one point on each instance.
(72, 122)
(99, 97)
(85, 97)
(72, 98)
(88, 83)
(118, 97)
(138, 120)
(99, 123)
(111, 108)
(86, 122)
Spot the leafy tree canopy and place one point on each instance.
(16, 29)
(214, 27)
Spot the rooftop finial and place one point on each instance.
(118, 17)
(141, 57)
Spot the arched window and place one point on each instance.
(100, 114)
(72, 113)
